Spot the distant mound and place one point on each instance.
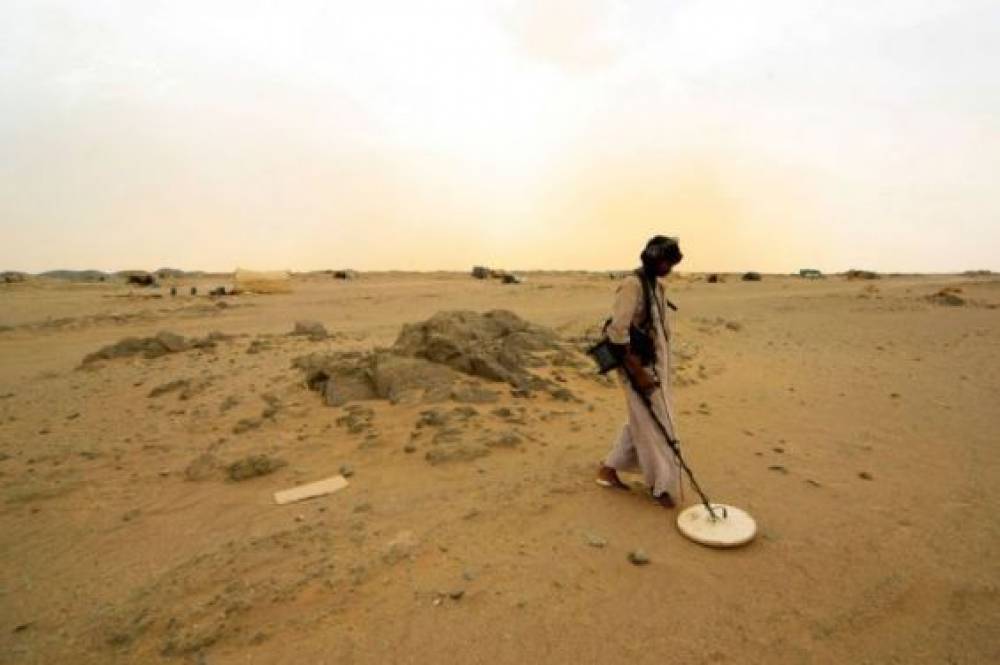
(948, 296)
(169, 273)
(76, 275)
(13, 277)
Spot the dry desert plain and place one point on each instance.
(858, 421)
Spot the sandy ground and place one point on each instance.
(857, 421)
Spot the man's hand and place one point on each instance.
(641, 378)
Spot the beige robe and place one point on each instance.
(641, 445)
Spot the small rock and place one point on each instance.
(474, 395)
(245, 425)
(168, 387)
(594, 540)
(778, 468)
(253, 466)
(314, 330)
(456, 594)
(638, 557)
(346, 470)
(563, 395)
(228, 403)
(864, 475)
(172, 342)
(504, 440)
(400, 547)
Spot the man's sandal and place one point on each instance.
(608, 477)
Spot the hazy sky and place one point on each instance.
(768, 135)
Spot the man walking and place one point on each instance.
(640, 332)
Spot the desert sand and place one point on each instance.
(856, 420)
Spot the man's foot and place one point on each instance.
(665, 500)
(608, 477)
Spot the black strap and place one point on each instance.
(647, 298)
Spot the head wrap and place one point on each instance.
(661, 248)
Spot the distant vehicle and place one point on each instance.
(751, 277)
(810, 273)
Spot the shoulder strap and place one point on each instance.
(646, 297)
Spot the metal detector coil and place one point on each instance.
(724, 526)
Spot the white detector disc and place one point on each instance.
(731, 528)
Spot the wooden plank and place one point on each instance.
(310, 490)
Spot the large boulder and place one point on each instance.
(497, 345)
(338, 377)
(400, 378)
(438, 359)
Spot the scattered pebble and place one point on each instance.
(638, 557)
(864, 475)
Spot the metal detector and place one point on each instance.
(711, 524)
